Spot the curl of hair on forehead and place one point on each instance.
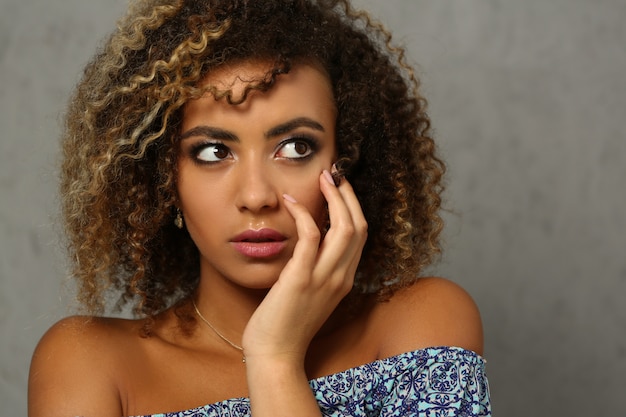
(260, 84)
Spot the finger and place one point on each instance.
(353, 205)
(307, 245)
(346, 215)
(338, 236)
(337, 209)
(343, 243)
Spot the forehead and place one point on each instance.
(235, 78)
(305, 88)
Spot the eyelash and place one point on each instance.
(311, 142)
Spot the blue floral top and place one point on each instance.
(433, 382)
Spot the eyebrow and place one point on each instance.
(293, 124)
(211, 132)
(281, 129)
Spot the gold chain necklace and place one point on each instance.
(221, 336)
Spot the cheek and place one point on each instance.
(308, 194)
(319, 211)
(201, 200)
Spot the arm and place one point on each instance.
(69, 375)
(309, 288)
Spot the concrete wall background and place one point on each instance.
(528, 100)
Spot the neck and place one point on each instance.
(227, 305)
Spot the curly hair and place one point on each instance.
(120, 144)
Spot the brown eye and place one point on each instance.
(300, 148)
(220, 152)
(295, 149)
(212, 152)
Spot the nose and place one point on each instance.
(256, 190)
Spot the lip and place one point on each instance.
(263, 243)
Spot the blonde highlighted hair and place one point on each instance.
(120, 143)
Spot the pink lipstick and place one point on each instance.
(263, 243)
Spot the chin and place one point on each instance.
(259, 277)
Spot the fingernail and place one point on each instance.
(328, 177)
(336, 176)
(289, 198)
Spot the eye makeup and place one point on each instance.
(298, 148)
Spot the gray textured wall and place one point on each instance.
(528, 99)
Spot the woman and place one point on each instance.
(257, 179)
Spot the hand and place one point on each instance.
(313, 282)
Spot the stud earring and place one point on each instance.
(178, 220)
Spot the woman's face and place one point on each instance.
(237, 161)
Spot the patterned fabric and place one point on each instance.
(433, 382)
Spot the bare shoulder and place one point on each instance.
(72, 370)
(431, 312)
